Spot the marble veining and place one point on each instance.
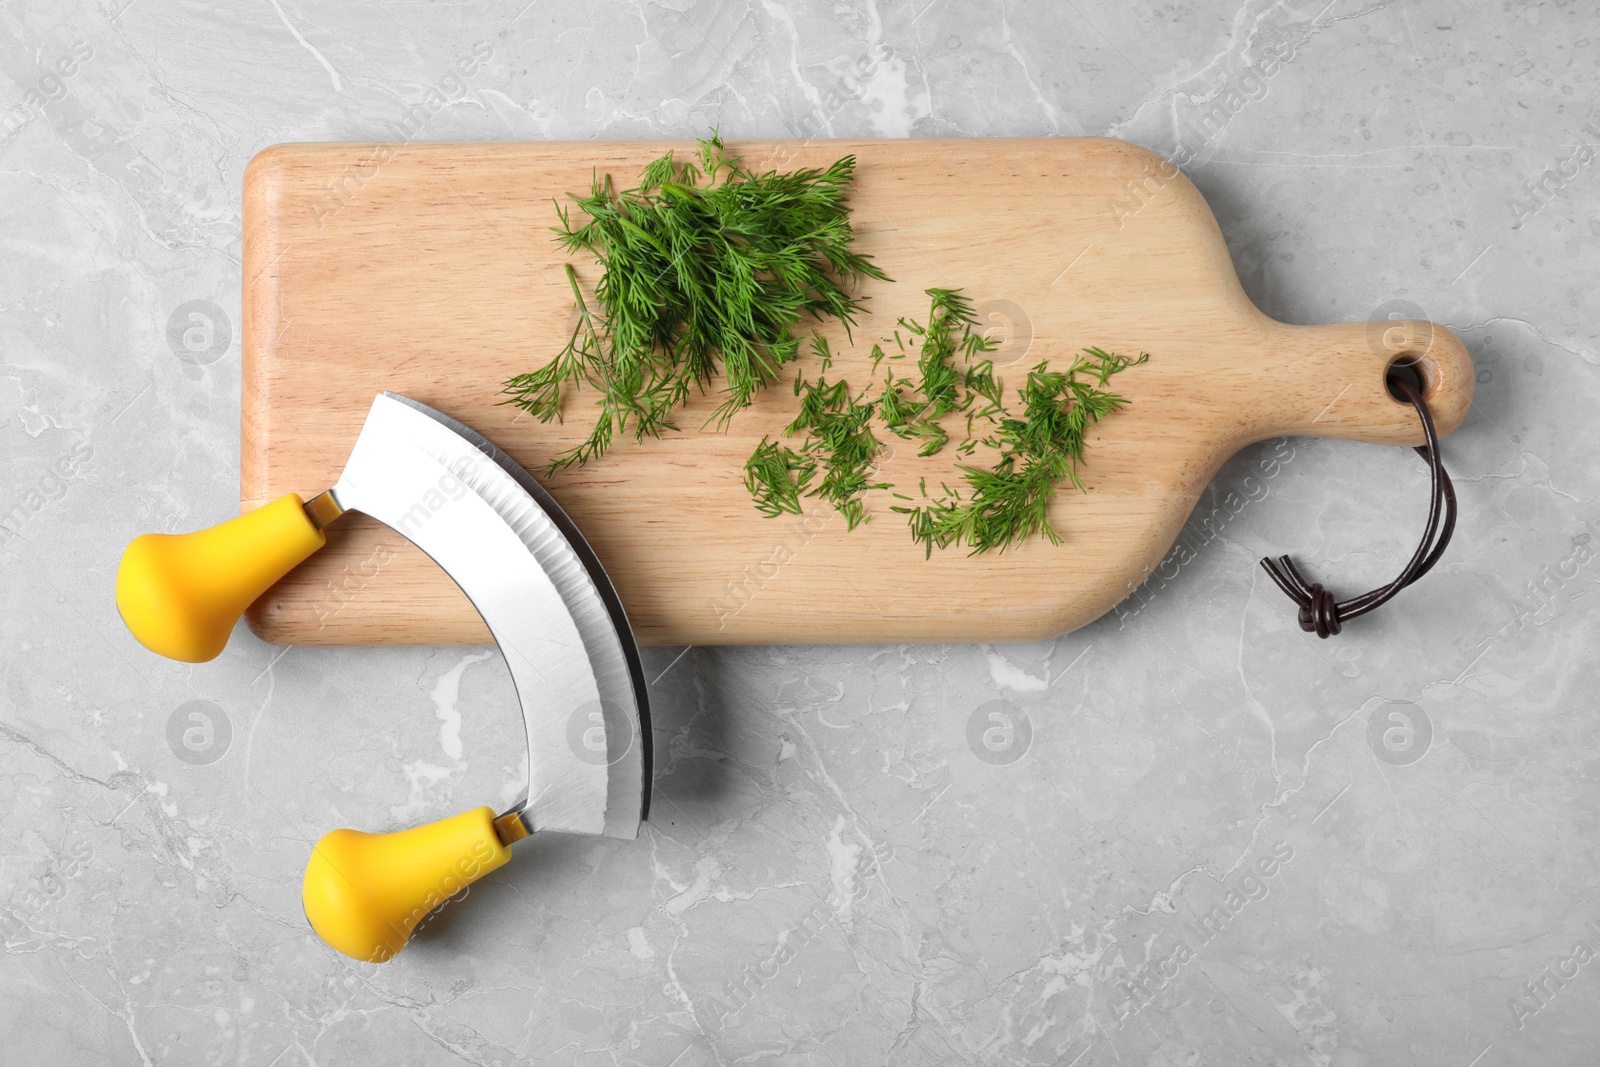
(1187, 834)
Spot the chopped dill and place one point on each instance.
(777, 476)
(840, 441)
(711, 272)
(819, 346)
(1010, 501)
(706, 266)
(1003, 504)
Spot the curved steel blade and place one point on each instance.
(561, 631)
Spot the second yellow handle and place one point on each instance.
(180, 594)
(365, 893)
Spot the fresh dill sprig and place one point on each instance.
(839, 440)
(934, 437)
(837, 427)
(980, 383)
(707, 267)
(1010, 501)
(948, 331)
(777, 476)
(897, 408)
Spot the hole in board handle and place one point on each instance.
(1418, 370)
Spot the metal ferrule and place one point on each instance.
(323, 508)
(511, 828)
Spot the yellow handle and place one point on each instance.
(180, 594)
(365, 893)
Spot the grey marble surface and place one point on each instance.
(1215, 840)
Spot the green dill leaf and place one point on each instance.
(819, 348)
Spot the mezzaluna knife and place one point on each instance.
(540, 588)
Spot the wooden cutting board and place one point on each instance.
(430, 270)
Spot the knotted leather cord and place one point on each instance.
(1319, 612)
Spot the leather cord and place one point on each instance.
(1319, 612)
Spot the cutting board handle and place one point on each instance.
(1330, 381)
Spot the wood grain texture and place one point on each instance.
(430, 270)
